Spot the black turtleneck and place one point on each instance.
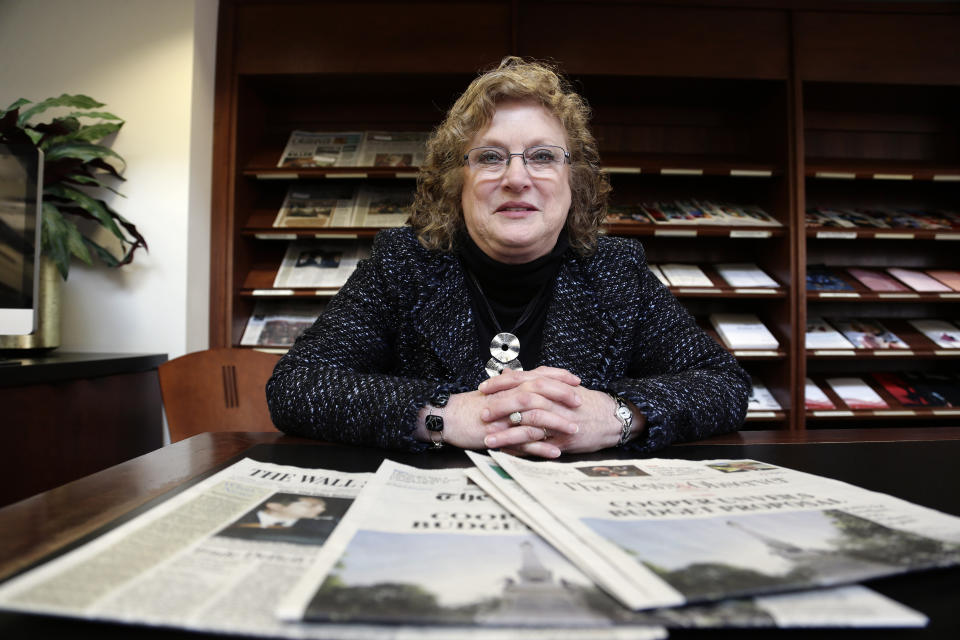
(510, 289)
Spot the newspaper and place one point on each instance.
(393, 148)
(320, 263)
(215, 557)
(674, 531)
(307, 149)
(427, 547)
(850, 606)
(379, 206)
(314, 205)
(278, 323)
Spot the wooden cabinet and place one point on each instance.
(774, 104)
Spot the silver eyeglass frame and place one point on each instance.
(509, 156)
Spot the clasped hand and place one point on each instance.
(556, 414)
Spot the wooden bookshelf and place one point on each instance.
(777, 104)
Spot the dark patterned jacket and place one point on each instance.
(402, 327)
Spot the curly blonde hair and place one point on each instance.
(437, 215)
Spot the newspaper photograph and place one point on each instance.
(696, 531)
(308, 149)
(320, 263)
(315, 205)
(427, 547)
(279, 323)
(393, 148)
(379, 206)
(836, 607)
(217, 556)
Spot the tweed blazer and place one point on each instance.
(402, 328)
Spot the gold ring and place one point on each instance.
(516, 418)
(545, 434)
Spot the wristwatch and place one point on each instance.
(434, 422)
(625, 416)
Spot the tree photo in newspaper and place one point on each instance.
(427, 547)
(850, 606)
(707, 530)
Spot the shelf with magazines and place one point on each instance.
(882, 221)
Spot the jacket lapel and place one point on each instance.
(579, 332)
(445, 325)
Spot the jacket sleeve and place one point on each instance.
(687, 385)
(333, 383)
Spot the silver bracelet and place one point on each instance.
(625, 416)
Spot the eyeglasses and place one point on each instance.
(542, 160)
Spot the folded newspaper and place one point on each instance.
(670, 532)
(849, 606)
(425, 547)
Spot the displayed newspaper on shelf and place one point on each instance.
(214, 557)
(382, 206)
(306, 149)
(851, 606)
(393, 148)
(664, 526)
(685, 275)
(402, 554)
(278, 323)
(320, 263)
(317, 205)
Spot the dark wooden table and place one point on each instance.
(918, 464)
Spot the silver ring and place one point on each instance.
(516, 418)
(545, 434)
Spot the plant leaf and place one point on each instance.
(90, 133)
(103, 115)
(16, 105)
(83, 151)
(108, 258)
(94, 207)
(76, 101)
(60, 239)
(80, 179)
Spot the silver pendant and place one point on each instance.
(505, 347)
(495, 367)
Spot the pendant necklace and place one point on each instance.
(505, 346)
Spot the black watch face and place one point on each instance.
(434, 423)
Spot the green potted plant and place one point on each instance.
(78, 171)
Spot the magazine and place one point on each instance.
(307, 149)
(856, 393)
(761, 399)
(626, 214)
(685, 275)
(868, 334)
(852, 606)
(753, 527)
(821, 335)
(875, 280)
(319, 263)
(949, 277)
(743, 331)
(905, 392)
(215, 557)
(917, 280)
(745, 275)
(820, 278)
(945, 334)
(402, 554)
(814, 398)
(306, 205)
(279, 323)
(655, 270)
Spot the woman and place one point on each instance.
(502, 270)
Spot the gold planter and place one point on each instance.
(47, 335)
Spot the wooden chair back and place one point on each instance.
(216, 390)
